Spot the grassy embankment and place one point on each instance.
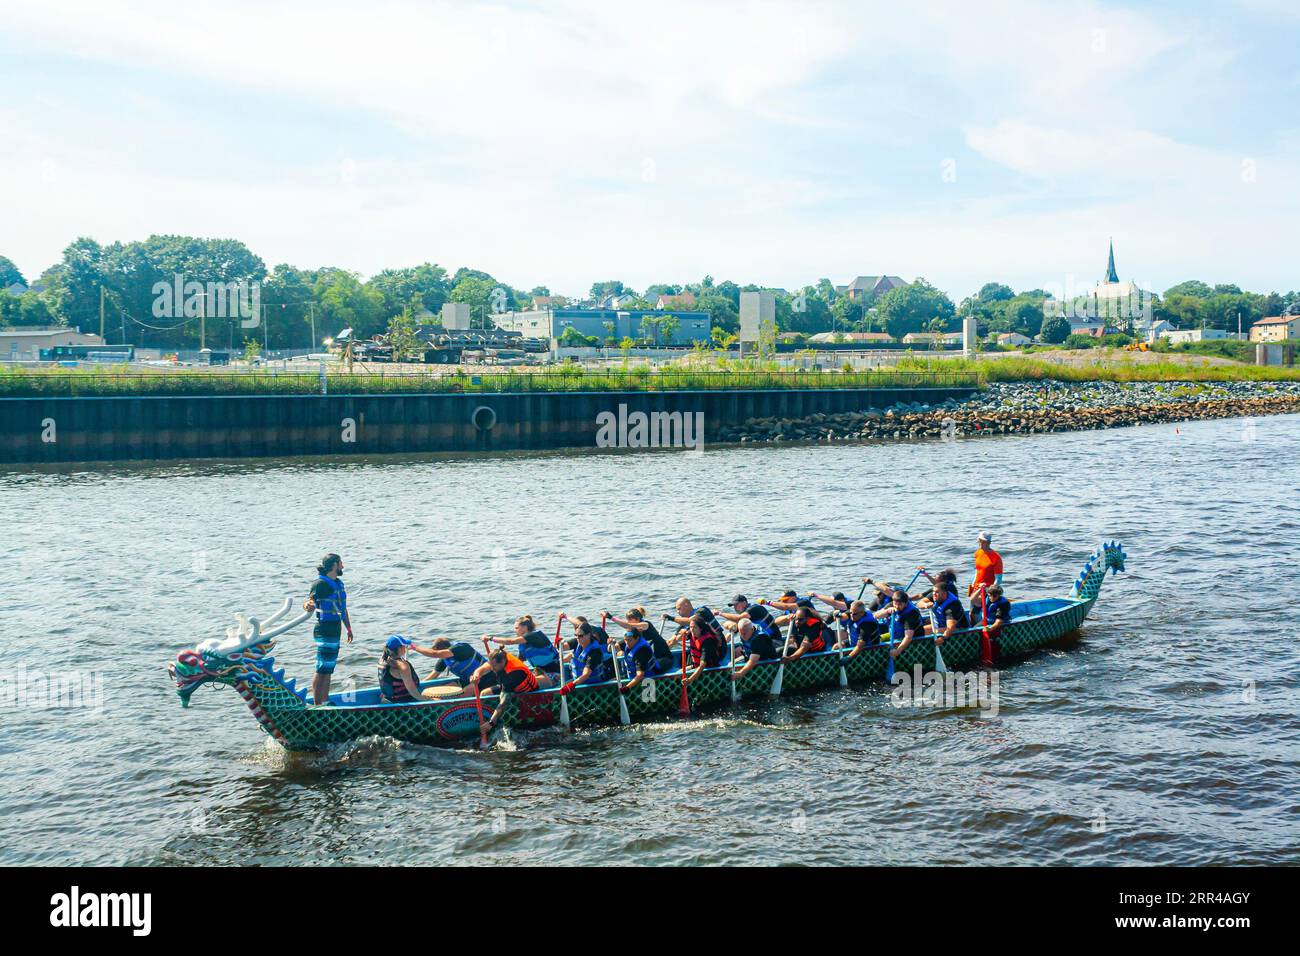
(64, 382)
(724, 374)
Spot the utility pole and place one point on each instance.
(203, 322)
(311, 308)
(101, 313)
(266, 333)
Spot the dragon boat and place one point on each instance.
(243, 661)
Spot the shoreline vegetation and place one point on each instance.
(703, 373)
(1020, 408)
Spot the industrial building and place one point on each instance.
(605, 324)
(20, 344)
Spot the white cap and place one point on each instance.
(984, 536)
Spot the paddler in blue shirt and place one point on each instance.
(535, 650)
(946, 612)
(903, 620)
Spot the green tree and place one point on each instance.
(994, 292)
(9, 274)
(345, 302)
(909, 308)
(1192, 287)
(1055, 329)
(401, 335)
(601, 290)
(399, 288)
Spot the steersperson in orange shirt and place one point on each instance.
(988, 565)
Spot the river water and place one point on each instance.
(1167, 735)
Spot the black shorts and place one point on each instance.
(330, 630)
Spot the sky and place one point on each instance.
(564, 143)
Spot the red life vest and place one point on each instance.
(529, 683)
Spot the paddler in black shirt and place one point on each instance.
(755, 646)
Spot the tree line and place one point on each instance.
(115, 284)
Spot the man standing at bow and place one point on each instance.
(330, 602)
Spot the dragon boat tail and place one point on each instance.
(242, 660)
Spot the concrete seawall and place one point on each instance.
(276, 426)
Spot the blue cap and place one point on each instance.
(396, 641)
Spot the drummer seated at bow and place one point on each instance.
(638, 628)
(398, 681)
(591, 661)
(508, 673)
(809, 634)
(755, 647)
(458, 659)
(946, 612)
(536, 649)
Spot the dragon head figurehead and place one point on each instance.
(228, 660)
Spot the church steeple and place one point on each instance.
(1110, 264)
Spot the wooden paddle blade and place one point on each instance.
(889, 669)
(623, 717)
(844, 676)
(939, 665)
(684, 708)
(564, 712)
(776, 681)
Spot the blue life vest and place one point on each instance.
(463, 669)
(993, 608)
(764, 626)
(629, 656)
(939, 614)
(896, 626)
(580, 655)
(711, 620)
(539, 657)
(331, 608)
(865, 628)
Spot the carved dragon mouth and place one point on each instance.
(225, 661)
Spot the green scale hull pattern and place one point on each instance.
(282, 709)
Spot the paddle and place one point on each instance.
(986, 642)
(889, 659)
(735, 694)
(564, 700)
(844, 676)
(684, 708)
(478, 702)
(780, 668)
(939, 665)
(624, 717)
(908, 590)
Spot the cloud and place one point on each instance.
(773, 142)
